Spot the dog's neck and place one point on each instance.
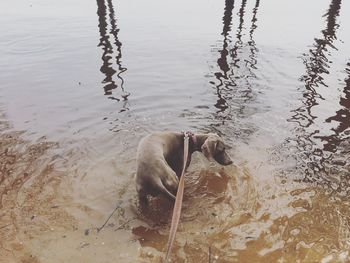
(197, 142)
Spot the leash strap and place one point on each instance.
(178, 202)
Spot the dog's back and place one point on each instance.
(153, 172)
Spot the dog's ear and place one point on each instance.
(208, 149)
(220, 147)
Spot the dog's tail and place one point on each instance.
(164, 190)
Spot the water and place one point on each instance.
(82, 82)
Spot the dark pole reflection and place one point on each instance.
(222, 61)
(317, 63)
(231, 71)
(227, 20)
(342, 116)
(253, 49)
(107, 41)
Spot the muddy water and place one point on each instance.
(83, 81)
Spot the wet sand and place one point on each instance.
(30, 205)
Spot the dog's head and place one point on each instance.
(214, 148)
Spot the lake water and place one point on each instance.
(83, 81)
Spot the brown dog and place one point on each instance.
(160, 160)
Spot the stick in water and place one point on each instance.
(115, 209)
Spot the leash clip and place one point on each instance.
(191, 135)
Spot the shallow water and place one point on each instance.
(82, 82)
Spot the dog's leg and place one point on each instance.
(164, 190)
(168, 183)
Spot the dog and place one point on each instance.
(160, 160)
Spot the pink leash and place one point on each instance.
(178, 201)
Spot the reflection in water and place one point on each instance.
(253, 49)
(222, 61)
(107, 40)
(317, 63)
(230, 63)
(342, 116)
